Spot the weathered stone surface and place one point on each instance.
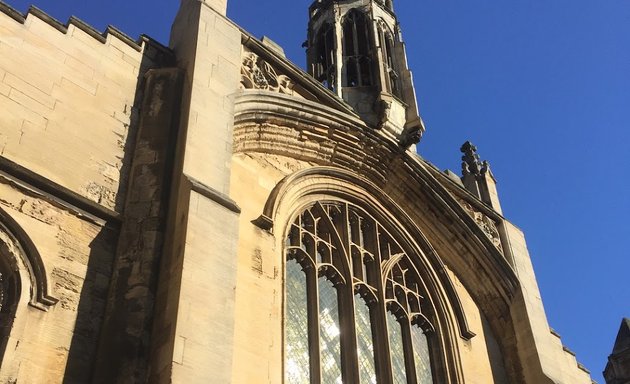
(143, 214)
(77, 255)
(125, 339)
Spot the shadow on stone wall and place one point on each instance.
(112, 335)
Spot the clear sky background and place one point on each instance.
(541, 87)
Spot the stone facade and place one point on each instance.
(146, 194)
(617, 369)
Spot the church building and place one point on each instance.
(209, 212)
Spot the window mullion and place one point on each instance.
(379, 321)
(338, 341)
(410, 365)
(356, 52)
(313, 325)
(381, 338)
(348, 338)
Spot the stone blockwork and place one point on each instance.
(258, 344)
(78, 93)
(71, 90)
(126, 335)
(58, 343)
(259, 284)
(266, 125)
(146, 243)
(194, 325)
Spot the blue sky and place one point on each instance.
(541, 87)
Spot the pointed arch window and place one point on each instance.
(354, 302)
(324, 67)
(389, 60)
(356, 50)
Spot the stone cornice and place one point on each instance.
(34, 184)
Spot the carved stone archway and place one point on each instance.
(21, 268)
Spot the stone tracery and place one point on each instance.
(348, 260)
(487, 225)
(256, 73)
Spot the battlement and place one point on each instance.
(73, 21)
(71, 85)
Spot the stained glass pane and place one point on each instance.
(365, 344)
(296, 351)
(329, 333)
(421, 356)
(397, 352)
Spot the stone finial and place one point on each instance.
(471, 164)
(477, 177)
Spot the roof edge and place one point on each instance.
(101, 37)
(324, 95)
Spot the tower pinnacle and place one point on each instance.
(355, 49)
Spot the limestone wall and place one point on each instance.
(67, 96)
(260, 277)
(77, 252)
(545, 359)
(258, 345)
(482, 359)
(195, 318)
(70, 100)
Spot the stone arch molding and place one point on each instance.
(295, 190)
(16, 244)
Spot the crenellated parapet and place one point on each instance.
(58, 79)
(102, 37)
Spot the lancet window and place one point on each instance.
(356, 50)
(355, 309)
(324, 65)
(389, 60)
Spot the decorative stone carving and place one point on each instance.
(471, 164)
(487, 225)
(410, 137)
(256, 73)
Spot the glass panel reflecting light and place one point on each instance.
(329, 333)
(421, 355)
(365, 344)
(297, 354)
(347, 246)
(397, 353)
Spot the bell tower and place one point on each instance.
(355, 49)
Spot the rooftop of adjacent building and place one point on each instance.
(622, 342)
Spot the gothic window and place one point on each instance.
(354, 302)
(389, 59)
(356, 53)
(325, 56)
